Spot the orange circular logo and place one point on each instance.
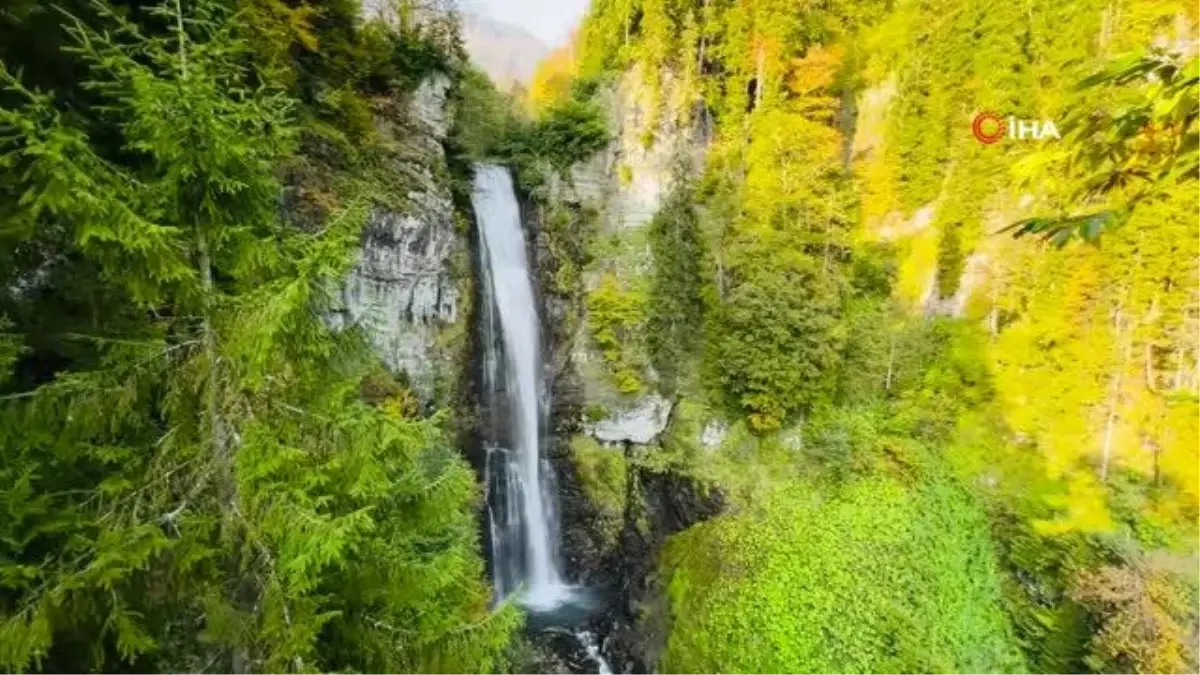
(988, 127)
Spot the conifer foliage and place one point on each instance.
(190, 477)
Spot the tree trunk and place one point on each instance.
(1151, 376)
(1114, 395)
(208, 338)
(846, 120)
(1108, 20)
(759, 76)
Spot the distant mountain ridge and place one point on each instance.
(507, 53)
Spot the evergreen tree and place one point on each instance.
(201, 486)
(678, 289)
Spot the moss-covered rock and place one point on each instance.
(603, 474)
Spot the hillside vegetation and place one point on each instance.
(838, 282)
(942, 393)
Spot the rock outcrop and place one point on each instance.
(641, 423)
(654, 137)
(629, 178)
(403, 290)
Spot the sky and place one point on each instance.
(550, 20)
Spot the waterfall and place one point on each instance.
(588, 640)
(521, 520)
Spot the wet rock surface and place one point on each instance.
(661, 504)
(557, 650)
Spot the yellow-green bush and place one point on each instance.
(616, 318)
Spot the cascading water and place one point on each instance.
(521, 518)
(522, 527)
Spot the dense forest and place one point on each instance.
(957, 380)
(198, 475)
(941, 395)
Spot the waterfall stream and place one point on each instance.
(521, 518)
(522, 527)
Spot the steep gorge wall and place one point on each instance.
(619, 501)
(612, 198)
(409, 289)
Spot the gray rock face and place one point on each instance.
(402, 291)
(640, 423)
(653, 136)
(974, 274)
(629, 178)
(713, 434)
(428, 107)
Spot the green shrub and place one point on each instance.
(483, 117)
(569, 230)
(875, 576)
(616, 319)
(777, 342)
(566, 133)
(602, 472)
(950, 261)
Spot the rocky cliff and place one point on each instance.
(408, 286)
(620, 497)
(619, 190)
